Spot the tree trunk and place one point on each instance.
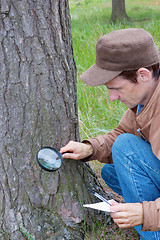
(119, 11)
(38, 107)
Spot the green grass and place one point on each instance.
(97, 115)
(90, 20)
(109, 232)
(26, 233)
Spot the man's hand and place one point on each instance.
(76, 150)
(127, 215)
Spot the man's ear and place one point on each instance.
(143, 75)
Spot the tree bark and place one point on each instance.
(38, 107)
(119, 11)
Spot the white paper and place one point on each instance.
(102, 206)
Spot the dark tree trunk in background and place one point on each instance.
(38, 107)
(119, 11)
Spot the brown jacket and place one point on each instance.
(148, 121)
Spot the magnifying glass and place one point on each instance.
(49, 159)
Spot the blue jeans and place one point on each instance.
(134, 174)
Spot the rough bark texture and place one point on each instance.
(119, 11)
(38, 107)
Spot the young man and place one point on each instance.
(127, 63)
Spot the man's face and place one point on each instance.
(131, 94)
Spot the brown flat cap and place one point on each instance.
(121, 50)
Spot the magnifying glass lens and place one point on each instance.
(49, 159)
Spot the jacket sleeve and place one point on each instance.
(102, 144)
(151, 215)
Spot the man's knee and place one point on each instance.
(122, 140)
(123, 147)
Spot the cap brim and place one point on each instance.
(96, 76)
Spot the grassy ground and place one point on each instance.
(97, 115)
(90, 20)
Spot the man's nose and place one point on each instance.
(113, 95)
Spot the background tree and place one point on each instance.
(119, 11)
(38, 107)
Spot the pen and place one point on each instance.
(99, 196)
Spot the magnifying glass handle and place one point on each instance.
(66, 152)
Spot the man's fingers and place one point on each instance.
(123, 223)
(127, 214)
(117, 207)
(70, 156)
(76, 150)
(67, 148)
(118, 215)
